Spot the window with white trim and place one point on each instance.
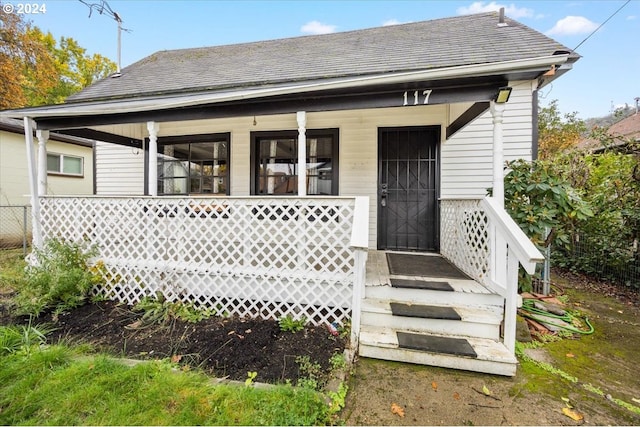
(64, 164)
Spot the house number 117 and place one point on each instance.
(416, 95)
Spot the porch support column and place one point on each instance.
(33, 184)
(497, 111)
(152, 179)
(43, 137)
(499, 245)
(301, 116)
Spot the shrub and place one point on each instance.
(58, 279)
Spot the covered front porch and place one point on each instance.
(271, 257)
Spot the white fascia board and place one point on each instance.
(134, 105)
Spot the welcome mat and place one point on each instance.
(423, 265)
(421, 284)
(433, 344)
(424, 311)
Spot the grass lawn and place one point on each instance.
(57, 385)
(72, 385)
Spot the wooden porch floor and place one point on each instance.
(378, 273)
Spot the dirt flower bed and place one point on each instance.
(222, 346)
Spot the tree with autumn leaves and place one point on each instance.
(36, 69)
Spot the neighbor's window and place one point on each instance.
(63, 164)
(275, 162)
(193, 165)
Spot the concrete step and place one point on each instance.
(492, 357)
(481, 322)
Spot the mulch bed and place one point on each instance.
(221, 346)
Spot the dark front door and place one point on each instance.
(408, 181)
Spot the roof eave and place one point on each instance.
(145, 104)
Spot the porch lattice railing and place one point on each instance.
(465, 237)
(246, 256)
(481, 239)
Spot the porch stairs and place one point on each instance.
(431, 320)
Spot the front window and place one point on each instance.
(188, 167)
(275, 162)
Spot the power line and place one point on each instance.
(600, 26)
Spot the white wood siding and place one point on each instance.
(119, 170)
(467, 157)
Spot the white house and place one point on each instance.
(266, 174)
(69, 170)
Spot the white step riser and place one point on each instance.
(434, 326)
(421, 296)
(441, 360)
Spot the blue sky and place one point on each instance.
(606, 76)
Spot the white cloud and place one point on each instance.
(510, 10)
(572, 25)
(315, 27)
(391, 22)
(631, 18)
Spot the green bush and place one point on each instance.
(58, 279)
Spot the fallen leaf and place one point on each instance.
(176, 358)
(456, 395)
(231, 332)
(248, 331)
(620, 311)
(434, 386)
(486, 391)
(574, 415)
(635, 400)
(570, 355)
(396, 409)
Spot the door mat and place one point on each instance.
(423, 265)
(424, 311)
(433, 344)
(421, 284)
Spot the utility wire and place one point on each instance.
(600, 26)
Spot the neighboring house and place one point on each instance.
(624, 135)
(274, 170)
(69, 170)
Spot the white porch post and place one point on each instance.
(33, 183)
(43, 137)
(152, 179)
(497, 112)
(499, 246)
(301, 116)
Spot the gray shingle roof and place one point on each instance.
(448, 42)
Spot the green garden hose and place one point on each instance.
(530, 311)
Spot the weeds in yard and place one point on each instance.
(59, 279)
(22, 338)
(289, 324)
(311, 373)
(159, 310)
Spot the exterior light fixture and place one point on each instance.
(503, 95)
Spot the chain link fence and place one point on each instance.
(618, 263)
(15, 227)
